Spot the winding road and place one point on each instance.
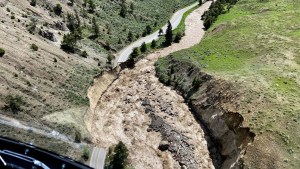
(123, 55)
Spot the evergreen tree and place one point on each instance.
(148, 29)
(169, 35)
(135, 53)
(57, 9)
(95, 27)
(92, 6)
(123, 11)
(200, 2)
(131, 8)
(69, 43)
(85, 2)
(178, 37)
(33, 2)
(130, 37)
(71, 2)
(153, 43)
(143, 47)
(120, 159)
(120, 41)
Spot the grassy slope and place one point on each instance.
(255, 46)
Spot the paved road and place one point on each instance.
(97, 159)
(123, 55)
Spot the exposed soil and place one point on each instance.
(150, 118)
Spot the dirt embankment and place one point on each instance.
(215, 104)
(151, 119)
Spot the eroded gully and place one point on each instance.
(151, 119)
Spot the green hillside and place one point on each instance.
(255, 47)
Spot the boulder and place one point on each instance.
(59, 26)
(163, 145)
(48, 35)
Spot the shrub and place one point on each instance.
(153, 43)
(178, 37)
(69, 43)
(2, 52)
(12, 17)
(86, 153)
(196, 83)
(143, 47)
(77, 137)
(33, 3)
(57, 9)
(14, 102)
(84, 54)
(34, 47)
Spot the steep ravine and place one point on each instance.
(152, 120)
(214, 103)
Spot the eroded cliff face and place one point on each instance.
(214, 103)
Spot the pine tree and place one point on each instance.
(169, 35)
(69, 43)
(143, 47)
(57, 9)
(148, 29)
(200, 2)
(92, 6)
(153, 43)
(130, 37)
(123, 11)
(178, 37)
(95, 27)
(135, 53)
(120, 159)
(33, 2)
(131, 8)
